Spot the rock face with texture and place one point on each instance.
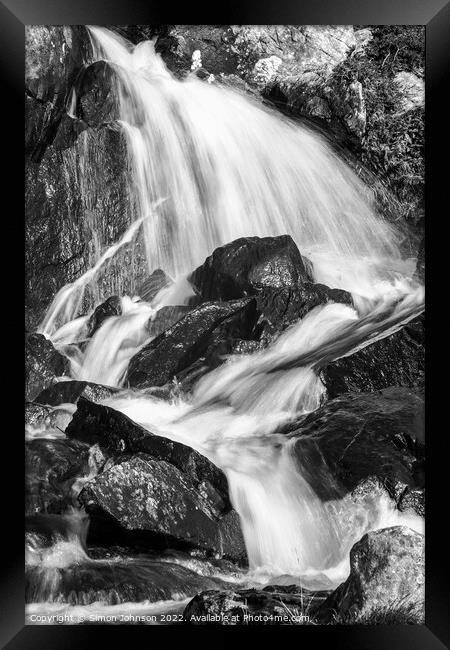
(153, 284)
(111, 307)
(52, 467)
(42, 364)
(405, 498)
(387, 572)
(281, 307)
(397, 360)
(116, 433)
(165, 318)
(354, 437)
(245, 265)
(177, 348)
(290, 65)
(269, 606)
(96, 99)
(148, 495)
(71, 216)
(54, 57)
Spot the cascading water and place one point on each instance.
(232, 418)
(230, 168)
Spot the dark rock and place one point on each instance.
(68, 392)
(115, 432)
(43, 363)
(166, 317)
(290, 605)
(54, 56)
(387, 570)
(52, 467)
(222, 343)
(153, 284)
(185, 342)
(97, 100)
(147, 495)
(71, 215)
(280, 307)
(111, 307)
(397, 360)
(373, 489)
(354, 437)
(213, 41)
(245, 265)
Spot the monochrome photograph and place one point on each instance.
(225, 325)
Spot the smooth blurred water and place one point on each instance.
(227, 167)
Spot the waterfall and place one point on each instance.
(229, 167)
(233, 418)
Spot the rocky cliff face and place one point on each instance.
(77, 173)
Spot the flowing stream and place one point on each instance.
(211, 165)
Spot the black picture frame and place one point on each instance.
(14, 15)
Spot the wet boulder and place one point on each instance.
(68, 392)
(51, 469)
(54, 56)
(154, 501)
(43, 363)
(269, 606)
(153, 284)
(396, 360)
(374, 490)
(112, 306)
(245, 265)
(387, 575)
(281, 307)
(69, 214)
(117, 434)
(96, 91)
(178, 347)
(165, 318)
(354, 437)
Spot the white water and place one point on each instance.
(66, 304)
(232, 418)
(231, 168)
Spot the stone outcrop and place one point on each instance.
(357, 436)
(43, 363)
(178, 347)
(387, 573)
(245, 265)
(396, 360)
(154, 498)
